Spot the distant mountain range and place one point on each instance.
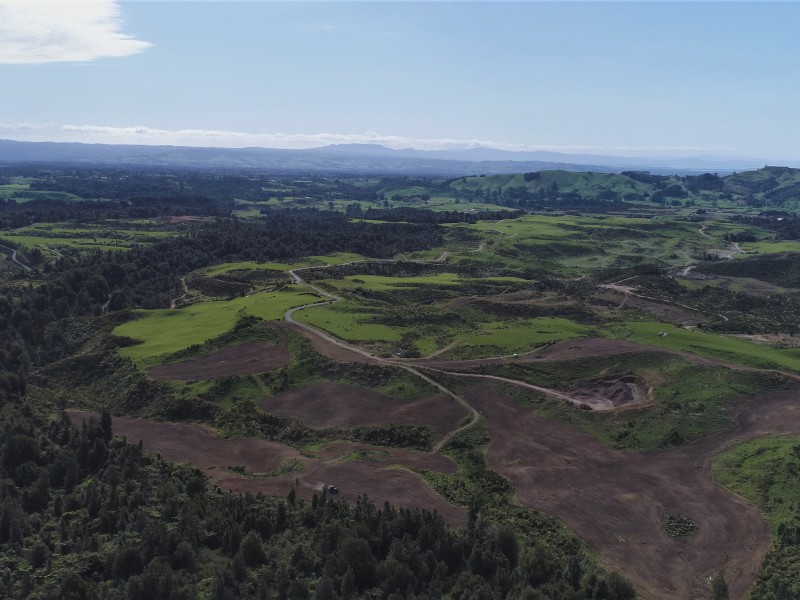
(367, 159)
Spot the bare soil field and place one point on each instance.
(616, 501)
(336, 404)
(244, 359)
(376, 477)
(197, 444)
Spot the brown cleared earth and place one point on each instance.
(336, 404)
(244, 359)
(378, 476)
(615, 501)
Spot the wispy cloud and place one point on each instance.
(238, 139)
(140, 134)
(44, 31)
(24, 126)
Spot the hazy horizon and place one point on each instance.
(620, 79)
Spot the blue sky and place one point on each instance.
(625, 78)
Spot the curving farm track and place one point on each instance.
(613, 500)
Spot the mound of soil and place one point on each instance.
(336, 404)
(244, 359)
(621, 391)
(200, 447)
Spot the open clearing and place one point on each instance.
(335, 404)
(243, 359)
(616, 501)
(166, 331)
(381, 477)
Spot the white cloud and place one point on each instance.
(140, 134)
(236, 139)
(43, 31)
(212, 137)
(24, 126)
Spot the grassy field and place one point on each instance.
(521, 335)
(765, 471)
(572, 245)
(707, 344)
(108, 235)
(164, 332)
(769, 247)
(309, 261)
(350, 321)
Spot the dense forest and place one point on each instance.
(84, 515)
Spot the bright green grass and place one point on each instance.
(766, 471)
(338, 258)
(524, 334)
(108, 229)
(247, 266)
(383, 283)
(29, 241)
(247, 213)
(166, 331)
(443, 203)
(757, 470)
(707, 344)
(351, 322)
(310, 261)
(7, 190)
(769, 247)
(44, 195)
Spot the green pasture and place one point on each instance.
(350, 321)
(103, 236)
(30, 242)
(525, 334)
(309, 261)
(761, 471)
(7, 190)
(247, 266)
(569, 244)
(385, 283)
(247, 213)
(769, 247)
(707, 344)
(28, 194)
(167, 331)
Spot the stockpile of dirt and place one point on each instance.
(620, 391)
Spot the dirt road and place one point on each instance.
(14, 258)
